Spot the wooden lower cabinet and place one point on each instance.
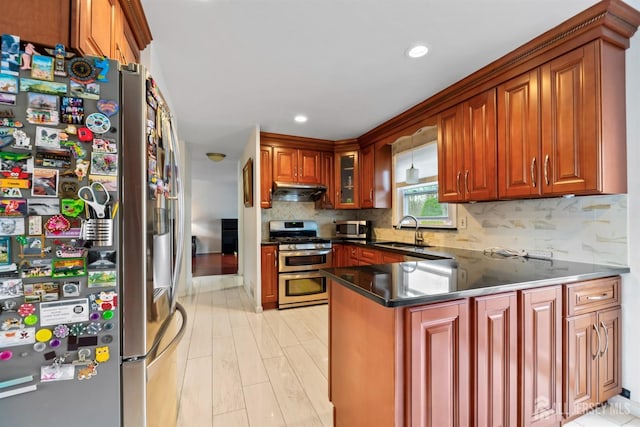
(269, 267)
(438, 366)
(540, 356)
(592, 345)
(495, 361)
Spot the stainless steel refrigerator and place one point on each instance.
(116, 365)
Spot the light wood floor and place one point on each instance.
(239, 368)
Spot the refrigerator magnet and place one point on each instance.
(9, 227)
(98, 123)
(33, 246)
(35, 224)
(13, 207)
(102, 67)
(48, 137)
(68, 267)
(81, 70)
(31, 269)
(42, 67)
(45, 182)
(86, 91)
(107, 107)
(11, 288)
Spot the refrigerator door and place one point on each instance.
(144, 220)
(150, 389)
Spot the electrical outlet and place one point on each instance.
(462, 222)
(540, 254)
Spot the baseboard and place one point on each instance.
(625, 406)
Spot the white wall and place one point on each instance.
(249, 224)
(215, 196)
(631, 281)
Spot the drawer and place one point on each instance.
(368, 256)
(592, 295)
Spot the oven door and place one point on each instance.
(313, 259)
(298, 289)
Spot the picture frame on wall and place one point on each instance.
(247, 183)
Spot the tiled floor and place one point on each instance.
(245, 369)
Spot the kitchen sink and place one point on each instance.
(425, 252)
(398, 245)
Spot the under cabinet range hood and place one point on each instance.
(292, 192)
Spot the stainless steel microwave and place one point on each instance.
(355, 229)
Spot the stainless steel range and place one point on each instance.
(301, 253)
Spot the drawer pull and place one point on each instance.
(597, 297)
(606, 339)
(595, 327)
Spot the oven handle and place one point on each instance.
(299, 275)
(305, 252)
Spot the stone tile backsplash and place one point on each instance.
(587, 228)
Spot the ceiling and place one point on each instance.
(229, 65)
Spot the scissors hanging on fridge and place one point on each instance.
(97, 197)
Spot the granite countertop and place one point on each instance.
(463, 274)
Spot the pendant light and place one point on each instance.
(413, 174)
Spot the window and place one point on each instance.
(421, 199)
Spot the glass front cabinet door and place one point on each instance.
(347, 190)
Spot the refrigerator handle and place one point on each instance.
(180, 215)
(176, 339)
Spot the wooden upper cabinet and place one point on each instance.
(467, 150)
(347, 178)
(95, 27)
(266, 176)
(583, 121)
(367, 167)
(519, 137)
(92, 27)
(43, 21)
(309, 166)
(480, 147)
(327, 201)
(375, 177)
(450, 154)
(296, 165)
(125, 49)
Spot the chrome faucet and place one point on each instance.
(418, 238)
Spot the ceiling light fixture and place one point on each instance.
(300, 118)
(216, 157)
(417, 51)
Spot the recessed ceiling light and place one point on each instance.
(417, 51)
(300, 118)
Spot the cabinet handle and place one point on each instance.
(606, 338)
(270, 194)
(466, 181)
(458, 183)
(533, 172)
(598, 297)
(595, 327)
(275, 262)
(546, 169)
(371, 194)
